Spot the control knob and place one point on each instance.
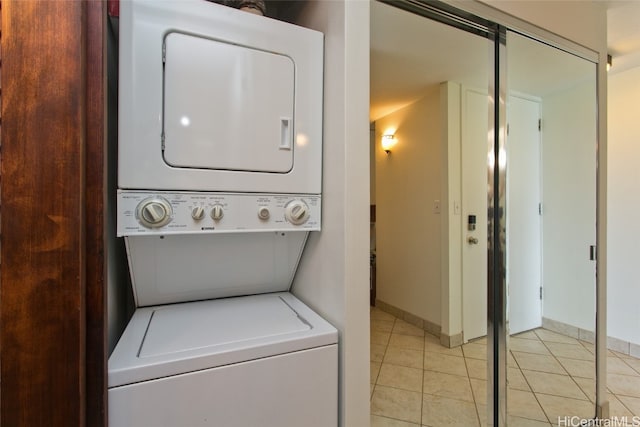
(154, 212)
(263, 213)
(197, 213)
(296, 212)
(217, 212)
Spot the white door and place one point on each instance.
(523, 215)
(475, 127)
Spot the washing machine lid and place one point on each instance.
(175, 339)
(229, 322)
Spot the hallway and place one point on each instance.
(417, 382)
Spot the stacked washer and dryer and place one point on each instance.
(219, 176)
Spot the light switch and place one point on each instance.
(456, 207)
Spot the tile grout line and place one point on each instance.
(518, 366)
(535, 395)
(568, 374)
(473, 394)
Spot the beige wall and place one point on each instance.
(624, 205)
(408, 182)
(372, 165)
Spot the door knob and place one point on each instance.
(472, 240)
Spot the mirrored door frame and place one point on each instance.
(493, 24)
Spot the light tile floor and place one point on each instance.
(417, 382)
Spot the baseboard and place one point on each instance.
(451, 341)
(569, 330)
(615, 344)
(430, 327)
(624, 347)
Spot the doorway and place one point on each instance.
(418, 356)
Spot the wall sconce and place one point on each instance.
(609, 62)
(388, 141)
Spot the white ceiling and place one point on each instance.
(410, 54)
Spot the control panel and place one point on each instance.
(160, 212)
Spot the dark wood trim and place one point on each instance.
(96, 298)
(52, 361)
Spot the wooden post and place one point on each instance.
(51, 207)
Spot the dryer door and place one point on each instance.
(226, 106)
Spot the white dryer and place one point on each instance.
(219, 176)
(215, 99)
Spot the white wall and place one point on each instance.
(624, 205)
(333, 276)
(569, 205)
(408, 181)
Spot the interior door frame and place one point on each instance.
(473, 255)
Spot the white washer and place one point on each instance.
(217, 339)
(262, 360)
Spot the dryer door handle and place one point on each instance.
(285, 133)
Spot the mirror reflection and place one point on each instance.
(551, 225)
(429, 107)
(429, 118)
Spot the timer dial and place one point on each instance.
(154, 212)
(296, 212)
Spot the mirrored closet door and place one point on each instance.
(485, 220)
(551, 149)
